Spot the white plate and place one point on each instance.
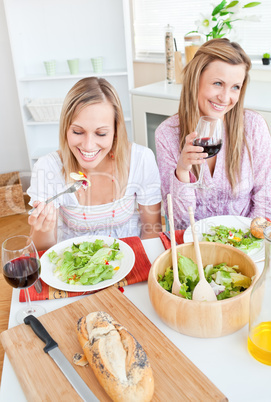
(125, 264)
(237, 222)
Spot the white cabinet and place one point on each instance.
(151, 105)
(61, 30)
(148, 113)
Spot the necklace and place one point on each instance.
(112, 178)
(113, 195)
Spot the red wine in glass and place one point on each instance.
(209, 136)
(22, 272)
(21, 269)
(209, 147)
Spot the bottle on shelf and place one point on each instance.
(259, 338)
(192, 43)
(169, 50)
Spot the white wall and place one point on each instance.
(13, 151)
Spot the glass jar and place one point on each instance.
(169, 50)
(259, 338)
(192, 43)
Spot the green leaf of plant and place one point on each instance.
(190, 32)
(253, 4)
(228, 25)
(232, 4)
(218, 8)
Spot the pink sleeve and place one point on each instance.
(167, 153)
(261, 160)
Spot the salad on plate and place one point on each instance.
(238, 238)
(86, 263)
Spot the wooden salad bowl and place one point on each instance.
(196, 318)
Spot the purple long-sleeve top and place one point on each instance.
(252, 194)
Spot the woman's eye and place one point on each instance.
(217, 83)
(101, 134)
(236, 87)
(76, 132)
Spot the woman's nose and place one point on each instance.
(224, 96)
(89, 142)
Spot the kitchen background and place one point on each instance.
(95, 28)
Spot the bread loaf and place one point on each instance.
(119, 362)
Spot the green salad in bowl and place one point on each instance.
(226, 281)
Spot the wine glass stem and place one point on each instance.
(29, 308)
(201, 173)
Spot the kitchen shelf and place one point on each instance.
(41, 152)
(64, 76)
(32, 122)
(61, 30)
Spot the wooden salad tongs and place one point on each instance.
(203, 290)
(176, 286)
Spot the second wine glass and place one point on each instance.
(209, 136)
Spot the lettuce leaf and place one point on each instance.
(226, 281)
(86, 263)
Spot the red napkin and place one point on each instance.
(139, 273)
(166, 241)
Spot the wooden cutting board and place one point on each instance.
(176, 378)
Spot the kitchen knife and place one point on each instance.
(65, 366)
(38, 286)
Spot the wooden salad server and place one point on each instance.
(176, 281)
(203, 290)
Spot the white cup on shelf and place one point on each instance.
(50, 67)
(97, 64)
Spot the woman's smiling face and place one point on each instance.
(90, 136)
(219, 88)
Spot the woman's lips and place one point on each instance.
(218, 107)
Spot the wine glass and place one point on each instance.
(209, 137)
(21, 269)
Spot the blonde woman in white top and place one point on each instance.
(124, 197)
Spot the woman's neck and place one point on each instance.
(103, 185)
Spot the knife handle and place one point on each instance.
(41, 332)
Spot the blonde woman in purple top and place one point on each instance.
(239, 176)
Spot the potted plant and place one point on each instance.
(266, 58)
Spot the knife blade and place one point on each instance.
(38, 286)
(55, 353)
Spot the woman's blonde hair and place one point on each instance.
(232, 53)
(85, 92)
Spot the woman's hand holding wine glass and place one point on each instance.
(189, 156)
(202, 144)
(21, 269)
